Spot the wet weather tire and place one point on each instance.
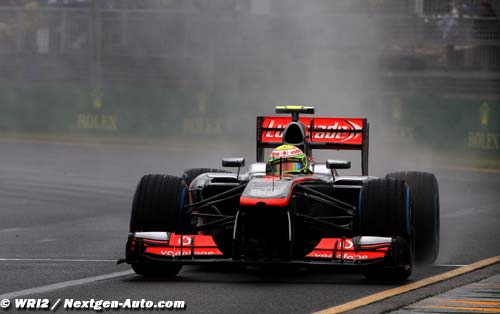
(384, 211)
(158, 204)
(424, 191)
(157, 269)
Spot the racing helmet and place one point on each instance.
(287, 159)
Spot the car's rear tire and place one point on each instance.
(424, 191)
(384, 211)
(158, 206)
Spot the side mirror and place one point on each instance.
(337, 164)
(233, 162)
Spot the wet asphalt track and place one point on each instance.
(64, 212)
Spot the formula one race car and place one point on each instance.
(287, 209)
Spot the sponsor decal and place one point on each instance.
(347, 256)
(96, 120)
(92, 121)
(348, 244)
(344, 250)
(185, 240)
(190, 244)
(483, 140)
(329, 243)
(326, 130)
(277, 124)
(198, 239)
(287, 152)
(263, 190)
(332, 128)
(350, 255)
(176, 251)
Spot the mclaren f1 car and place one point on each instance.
(307, 215)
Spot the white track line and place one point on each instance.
(64, 284)
(57, 260)
(10, 229)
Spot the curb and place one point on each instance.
(409, 287)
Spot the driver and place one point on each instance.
(287, 159)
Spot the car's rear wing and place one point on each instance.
(319, 133)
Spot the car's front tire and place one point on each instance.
(384, 211)
(158, 206)
(424, 191)
(156, 269)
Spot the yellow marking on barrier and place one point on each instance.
(493, 303)
(477, 309)
(496, 303)
(409, 287)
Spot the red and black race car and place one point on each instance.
(313, 218)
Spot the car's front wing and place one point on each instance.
(202, 249)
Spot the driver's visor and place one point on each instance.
(287, 165)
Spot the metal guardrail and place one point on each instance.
(123, 29)
(444, 29)
(461, 7)
(118, 44)
(275, 7)
(454, 84)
